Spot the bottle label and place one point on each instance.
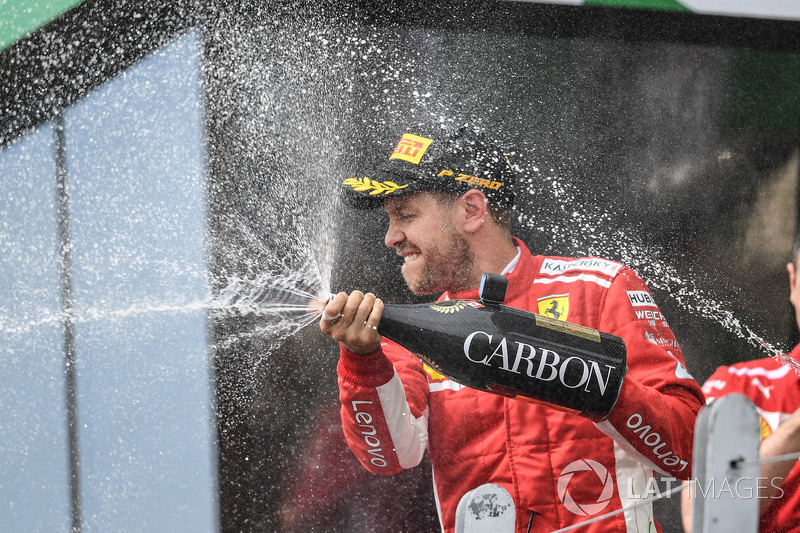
(569, 328)
(454, 306)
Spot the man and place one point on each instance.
(448, 199)
(774, 388)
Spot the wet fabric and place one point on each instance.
(774, 388)
(560, 468)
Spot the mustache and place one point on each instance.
(406, 248)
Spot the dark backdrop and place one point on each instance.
(667, 141)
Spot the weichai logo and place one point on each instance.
(649, 315)
(411, 148)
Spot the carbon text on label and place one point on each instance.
(549, 367)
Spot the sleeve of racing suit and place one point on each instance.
(655, 414)
(384, 408)
(720, 383)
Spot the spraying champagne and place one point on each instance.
(488, 346)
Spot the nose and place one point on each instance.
(393, 235)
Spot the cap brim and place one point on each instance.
(369, 192)
(455, 164)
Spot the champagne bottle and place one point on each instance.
(488, 346)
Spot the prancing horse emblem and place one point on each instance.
(553, 310)
(554, 306)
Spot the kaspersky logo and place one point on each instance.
(603, 478)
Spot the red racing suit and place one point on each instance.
(560, 468)
(774, 388)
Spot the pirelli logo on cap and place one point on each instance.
(411, 148)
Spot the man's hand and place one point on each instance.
(784, 440)
(353, 321)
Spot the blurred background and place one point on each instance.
(152, 153)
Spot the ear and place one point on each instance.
(475, 209)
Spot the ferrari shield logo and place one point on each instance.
(435, 376)
(766, 431)
(554, 306)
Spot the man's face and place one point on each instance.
(423, 232)
(794, 288)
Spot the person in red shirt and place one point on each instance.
(773, 386)
(500, 460)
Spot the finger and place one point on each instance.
(361, 336)
(333, 312)
(334, 308)
(365, 309)
(330, 319)
(375, 315)
(350, 308)
(336, 304)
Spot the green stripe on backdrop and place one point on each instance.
(18, 18)
(667, 5)
(766, 93)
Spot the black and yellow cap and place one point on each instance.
(454, 162)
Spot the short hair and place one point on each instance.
(796, 249)
(499, 213)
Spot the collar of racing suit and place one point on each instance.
(517, 284)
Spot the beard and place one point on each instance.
(441, 268)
